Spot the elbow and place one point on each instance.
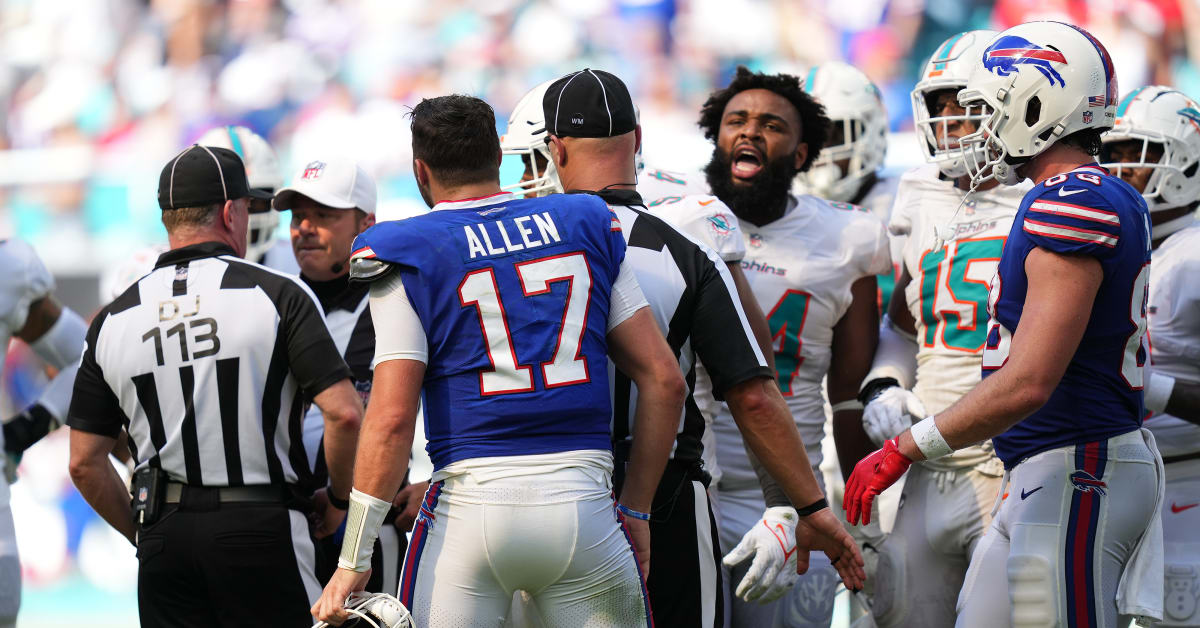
(347, 419)
(80, 469)
(673, 387)
(750, 404)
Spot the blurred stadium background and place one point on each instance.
(96, 95)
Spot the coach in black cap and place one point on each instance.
(208, 362)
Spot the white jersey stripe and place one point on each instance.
(1075, 211)
(1065, 233)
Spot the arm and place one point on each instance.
(1185, 401)
(342, 409)
(56, 334)
(99, 482)
(854, 340)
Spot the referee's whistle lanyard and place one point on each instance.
(614, 196)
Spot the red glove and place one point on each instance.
(872, 475)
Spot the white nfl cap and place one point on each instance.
(334, 182)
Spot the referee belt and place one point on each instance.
(259, 494)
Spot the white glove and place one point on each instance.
(890, 413)
(772, 543)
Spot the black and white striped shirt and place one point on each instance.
(208, 362)
(695, 303)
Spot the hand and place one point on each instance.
(891, 412)
(771, 542)
(822, 531)
(330, 607)
(328, 517)
(408, 501)
(872, 475)
(639, 536)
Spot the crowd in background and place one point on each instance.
(95, 95)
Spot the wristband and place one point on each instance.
(629, 512)
(363, 521)
(340, 504)
(820, 504)
(1158, 392)
(849, 404)
(929, 439)
(872, 388)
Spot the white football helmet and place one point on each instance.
(377, 610)
(526, 137)
(1161, 115)
(262, 172)
(947, 69)
(1042, 81)
(853, 103)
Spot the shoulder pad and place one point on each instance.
(365, 267)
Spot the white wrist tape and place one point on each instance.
(62, 345)
(363, 521)
(929, 440)
(1158, 392)
(849, 404)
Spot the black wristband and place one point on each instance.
(340, 504)
(820, 504)
(874, 387)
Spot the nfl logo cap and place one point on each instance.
(588, 103)
(335, 182)
(200, 176)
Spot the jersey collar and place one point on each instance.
(1092, 168)
(614, 196)
(479, 201)
(194, 251)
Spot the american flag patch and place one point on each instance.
(1096, 101)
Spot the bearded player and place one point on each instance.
(811, 264)
(1155, 147)
(1061, 396)
(931, 347)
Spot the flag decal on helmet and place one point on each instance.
(1010, 51)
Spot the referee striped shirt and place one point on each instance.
(208, 362)
(695, 303)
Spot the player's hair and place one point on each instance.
(456, 137)
(814, 124)
(181, 217)
(1087, 140)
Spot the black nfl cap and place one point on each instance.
(588, 103)
(202, 175)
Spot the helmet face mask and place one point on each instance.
(525, 137)
(946, 72)
(857, 115)
(260, 233)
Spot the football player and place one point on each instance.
(1155, 147)
(56, 334)
(1061, 396)
(931, 347)
(848, 168)
(811, 264)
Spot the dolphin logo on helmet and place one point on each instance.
(1010, 51)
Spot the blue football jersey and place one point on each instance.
(513, 295)
(1089, 212)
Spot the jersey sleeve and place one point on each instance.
(94, 407)
(880, 251)
(705, 218)
(626, 297)
(721, 335)
(314, 358)
(403, 336)
(1082, 221)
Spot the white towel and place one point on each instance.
(1140, 591)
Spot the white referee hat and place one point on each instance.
(334, 182)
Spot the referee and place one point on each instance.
(208, 362)
(593, 138)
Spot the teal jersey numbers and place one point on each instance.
(786, 321)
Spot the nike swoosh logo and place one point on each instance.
(708, 202)
(1025, 494)
(1064, 192)
(1179, 509)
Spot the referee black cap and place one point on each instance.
(588, 103)
(200, 176)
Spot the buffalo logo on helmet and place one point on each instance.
(313, 170)
(1085, 482)
(1007, 53)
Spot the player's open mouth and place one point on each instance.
(747, 163)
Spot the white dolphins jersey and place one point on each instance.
(800, 269)
(24, 280)
(683, 200)
(949, 289)
(879, 201)
(1174, 314)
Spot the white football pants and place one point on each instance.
(1181, 544)
(554, 535)
(1057, 548)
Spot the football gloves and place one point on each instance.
(891, 412)
(772, 544)
(872, 475)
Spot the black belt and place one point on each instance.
(1182, 457)
(261, 494)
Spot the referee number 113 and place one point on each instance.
(204, 340)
